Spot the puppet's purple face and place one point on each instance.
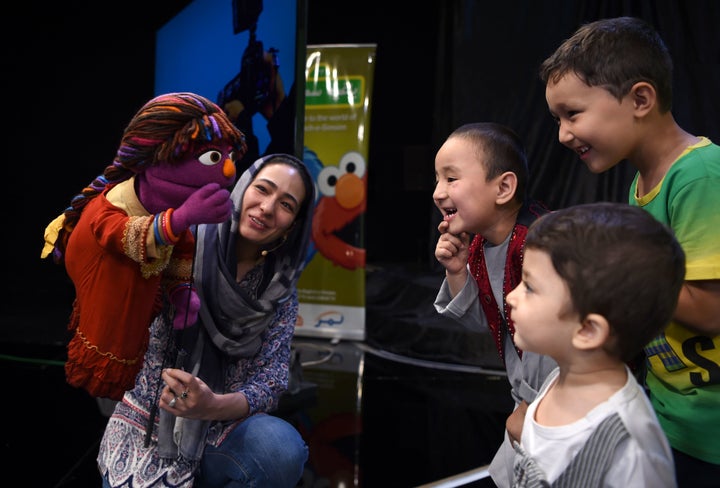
(164, 186)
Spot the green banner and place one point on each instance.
(338, 96)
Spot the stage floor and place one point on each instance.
(418, 401)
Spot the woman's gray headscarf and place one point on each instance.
(231, 321)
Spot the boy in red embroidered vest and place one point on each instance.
(481, 178)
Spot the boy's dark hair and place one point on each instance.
(615, 54)
(500, 149)
(617, 261)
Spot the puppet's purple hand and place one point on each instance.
(209, 204)
(187, 306)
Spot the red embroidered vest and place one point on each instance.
(512, 273)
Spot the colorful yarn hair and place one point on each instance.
(162, 131)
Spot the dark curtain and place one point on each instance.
(487, 61)
(74, 86)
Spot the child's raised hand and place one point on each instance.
(452, 250)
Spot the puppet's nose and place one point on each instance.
(229, 168)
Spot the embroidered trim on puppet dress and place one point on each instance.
(105, 353)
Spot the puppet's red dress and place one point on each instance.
(119, 274)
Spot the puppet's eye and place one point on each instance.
(210, 158)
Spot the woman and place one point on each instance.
(232, 365)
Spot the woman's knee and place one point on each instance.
(276, 438)
(263, 450)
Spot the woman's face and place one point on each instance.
(271, 203)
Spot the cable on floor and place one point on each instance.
(18, 359)
(460, 479)
(430, 364)
(328, 350)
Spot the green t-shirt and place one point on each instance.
(684, 367)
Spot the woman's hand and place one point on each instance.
(185, 395)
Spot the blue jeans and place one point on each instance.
(263, 451)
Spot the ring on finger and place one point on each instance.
(172, 402)
(184, 394)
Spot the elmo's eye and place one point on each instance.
(210, 158)
(327, 179)
(353, 162)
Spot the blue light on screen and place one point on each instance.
(198, 51)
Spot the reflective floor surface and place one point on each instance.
(371, 419)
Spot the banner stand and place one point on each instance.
(338, 96)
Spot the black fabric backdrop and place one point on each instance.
(449, 62)
(76, 72)
(487, 70)
(486, 60)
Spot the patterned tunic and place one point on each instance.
(123, 456)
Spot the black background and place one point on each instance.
(76, 72)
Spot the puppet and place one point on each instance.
(126, 240)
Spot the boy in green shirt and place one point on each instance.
(609, 87)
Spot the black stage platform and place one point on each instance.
(419, 400)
